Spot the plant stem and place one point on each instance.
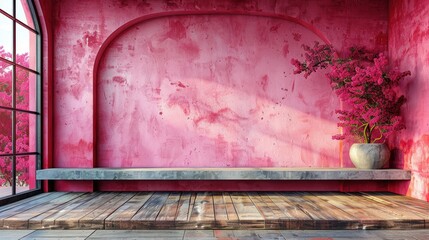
(365, 136)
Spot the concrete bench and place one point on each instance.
(221, 174)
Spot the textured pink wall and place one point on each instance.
(169, 97)
(409, 49)
(212, 91)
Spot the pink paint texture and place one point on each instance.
(217, 87)
(409, 49)
(207, 90)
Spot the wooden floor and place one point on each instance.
(216, 210)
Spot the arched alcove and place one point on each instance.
(212, 90)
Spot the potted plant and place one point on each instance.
(370, 94)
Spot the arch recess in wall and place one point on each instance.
(210, 89)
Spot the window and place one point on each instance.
(20, 99)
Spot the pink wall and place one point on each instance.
(409, 49)
(187, 91)
(213, 89)
(44, 9)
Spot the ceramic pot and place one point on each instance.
(369, 155)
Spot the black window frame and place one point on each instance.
(37, 113)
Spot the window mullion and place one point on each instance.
(14, 101)
(19, 22)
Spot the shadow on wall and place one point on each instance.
(213, 91)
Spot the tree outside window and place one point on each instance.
(20, 114)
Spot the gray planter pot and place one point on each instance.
(369, 155)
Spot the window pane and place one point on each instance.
(25, 89)
(25, 132)
(23, 13)
(7, 6)
(5, 84)
(6, 30)
(25, 173)
(25, 47)
(5, 176)
(5, 131)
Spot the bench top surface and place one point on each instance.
(221, 174)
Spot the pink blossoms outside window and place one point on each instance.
(20, 98)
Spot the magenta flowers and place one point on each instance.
(22, 120)
(368, 88)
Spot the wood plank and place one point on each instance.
(292, 211)
(169, 210)
(245, 208)
(184, 206)
(369, 214)
(404, 216)
(358, 211)
(390, 219)
(121, 218)
(272, 221)
(282, 218)
(221, 215)
(202, 215)
(297, 219)
(46, 220)
(262, 207)
(21, 220)
(146, 216)
(230, 209)
(23, 202)
(29, 205)
(325, 215)
(219, 207)
(402, 210)
(248, 214)
(416, 206)
(152, 207)
(337, 199)
(95, 219)
(203, 207)
(70, 220)
(279, 213)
